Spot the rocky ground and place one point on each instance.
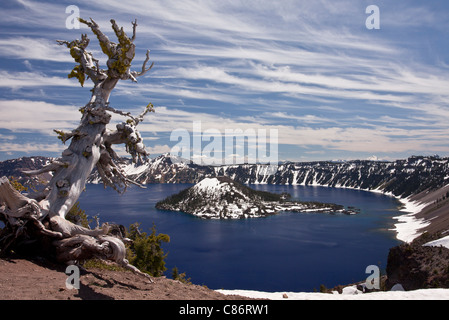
(413, 265)
(416, 266)
(40, 280)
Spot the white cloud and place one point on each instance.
(377, 138)
(32, 48)
(36, 15)
(254, 56)
(15, 80)
(7, 137)
(37, 116)
(31, 148)
(273, 85)
(158, 149)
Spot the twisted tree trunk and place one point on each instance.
(27, 219)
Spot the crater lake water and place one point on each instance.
(285, 252)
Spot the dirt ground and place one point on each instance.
(39, 280)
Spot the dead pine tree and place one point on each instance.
(30, 219)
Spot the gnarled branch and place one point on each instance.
(53, 166)
(136, 74)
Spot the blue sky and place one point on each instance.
(310, 69)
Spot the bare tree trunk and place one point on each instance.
(90, 146)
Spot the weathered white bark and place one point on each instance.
(90, 147)
(13, 199)
(81, 247)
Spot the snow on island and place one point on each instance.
(224, 198)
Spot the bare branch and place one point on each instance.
(127, 114)
(136, 74)
(10, 196)
(134, 30)
(83, 43)
(69, 229)
(53, 166)
(138, 119)
(149, 108)
(65, 136)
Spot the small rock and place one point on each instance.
(351, 290)
(397, 287)
(285, 296)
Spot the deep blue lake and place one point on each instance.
(286, 252)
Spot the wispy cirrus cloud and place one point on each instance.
(37, 116)
(33, 48)
(31, 148)
(307, 68)
(380, 137)
(15, 80)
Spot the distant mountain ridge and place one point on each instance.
(424, 179)
(402, 178)
(13, 169)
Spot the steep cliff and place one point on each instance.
(401, 177)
